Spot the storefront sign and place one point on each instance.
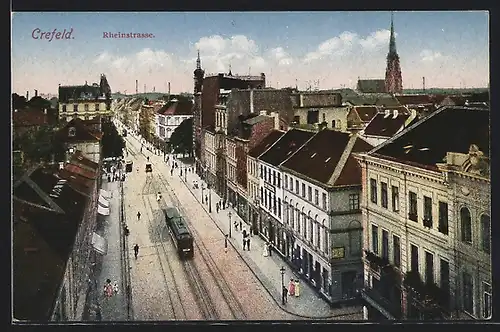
(338, 253)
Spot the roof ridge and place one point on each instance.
(276, 141)
(343, 160)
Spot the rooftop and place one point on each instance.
(266, 142)
(76, 131)
(177, 108)
(79, 92)
(386, 125)
(366, 113)
(448, 129)
(286, 146)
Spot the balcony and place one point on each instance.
(377, 264)
(429, 300)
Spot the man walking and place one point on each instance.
(136, 250)
(138, 216)
(248, 243)
(244, 238)
(225, 243)
(284, 295)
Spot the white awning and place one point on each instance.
(99, 243)
(102, 210)
(103, 202)
(105, 194)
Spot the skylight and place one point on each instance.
(424, 149)
(313, 155)
(328, 159)
(408, 146)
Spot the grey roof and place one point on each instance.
(256, 119)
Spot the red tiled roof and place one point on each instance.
(77, 181)
(82, 133)
(318, 158)
(286, 146)
(177, 108)
(387, 126)
(269, 140)
(29, 117)
(80, 171)
(79, 159)
(366, 113)
(351, 173)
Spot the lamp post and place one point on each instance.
(202, 189)
(282, 270)
(229, 214)
(209, 199)
(185, 174)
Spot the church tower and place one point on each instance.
(393, 79)
(198, 75)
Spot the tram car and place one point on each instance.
(183, 240)
(149, 168)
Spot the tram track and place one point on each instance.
(227, 293)
(173, 292)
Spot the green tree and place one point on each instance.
(112, 142)
(182, 138)
(39, 144)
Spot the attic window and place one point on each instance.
(424, 149)
(72, 132)
(328, 159)
(313, 155)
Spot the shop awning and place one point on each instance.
(102, 210)
(105, 194)
(103, 202)
(99, 243)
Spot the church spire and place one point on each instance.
(392, 41)
(198, 61)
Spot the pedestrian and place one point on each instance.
(217, 207)
(235, 225)
(127, 232)
(138, 216)
(270, 248)
(181, 172)
(171, 172)
(265, 252)
(248, 244)
(251, 230)
(244, 235)
(136, 250)
(115, 287)
(291, 287)
(206, 199)
(109, 178)
(225, 243)
(297, 288)
(147, 157)
(241, 225)
(284, 294)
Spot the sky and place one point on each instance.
(321, 50)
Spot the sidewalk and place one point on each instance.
(267, 269)
(113, 308)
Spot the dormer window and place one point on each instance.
(72, 132)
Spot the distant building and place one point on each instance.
(371, 86)
(170, 116)
(85, 101)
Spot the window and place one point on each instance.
(261, 195)
(309, 194)
(468, 295)
(395, 198)
(396, 253)
(445, 275)
(443, 218)
(312, 116)
(285, 183)
(279, 180)
(265, 174)
(385, 244)
(333, 124)
(383, 194)
(75, 108)
(373, 190)
(325, 236)
(291, 184)
(296, 119)
(429, 268)
(274, 178)
(318, 233)
(86, 107)
(316, 196)
(274, 204)
(485, 233)
(279, 207)
(324, 201)
(427, 212)
(412, 214)
(303, 190)
(375, 239)
(324, 117)
(64, 108)
(466, 224)
(297, 187)
(414, 258)
(310, 229)
(72, 132)
(354, 202)
(162, 131)
(487, 299)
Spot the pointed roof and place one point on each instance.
(80, 133)
(392, 40)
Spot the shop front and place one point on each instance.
(242, 207)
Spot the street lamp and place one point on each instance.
(202, 198)
(209, 199)
(229, 215)
(282, 270)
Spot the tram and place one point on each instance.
(183, 240)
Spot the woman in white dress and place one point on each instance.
(266, 250)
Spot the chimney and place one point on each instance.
(395, 114)
(36, 93)
(27, 95)
(136, 86)
(263, 112)
(169, 89)
(263, 78)
(45, 111)
(301, 100)
(276, 117)
(251, 101)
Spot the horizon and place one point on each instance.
(318, 50)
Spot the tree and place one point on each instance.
(18, 102)
(182, 137)
(112, 143)
(39, 144)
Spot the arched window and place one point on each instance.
(326, 234)
(318, 231)
(303, 222)
(355, 233)
(466, 225)
(310, 232)
(485, 233)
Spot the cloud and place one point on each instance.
(376, 39)
(338, 45)
(431, 56)
(281, 56)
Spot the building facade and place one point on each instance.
(85, 101)
(170, 116)
(77, 136)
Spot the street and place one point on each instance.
(237, 285)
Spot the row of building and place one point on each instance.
(345, 187)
